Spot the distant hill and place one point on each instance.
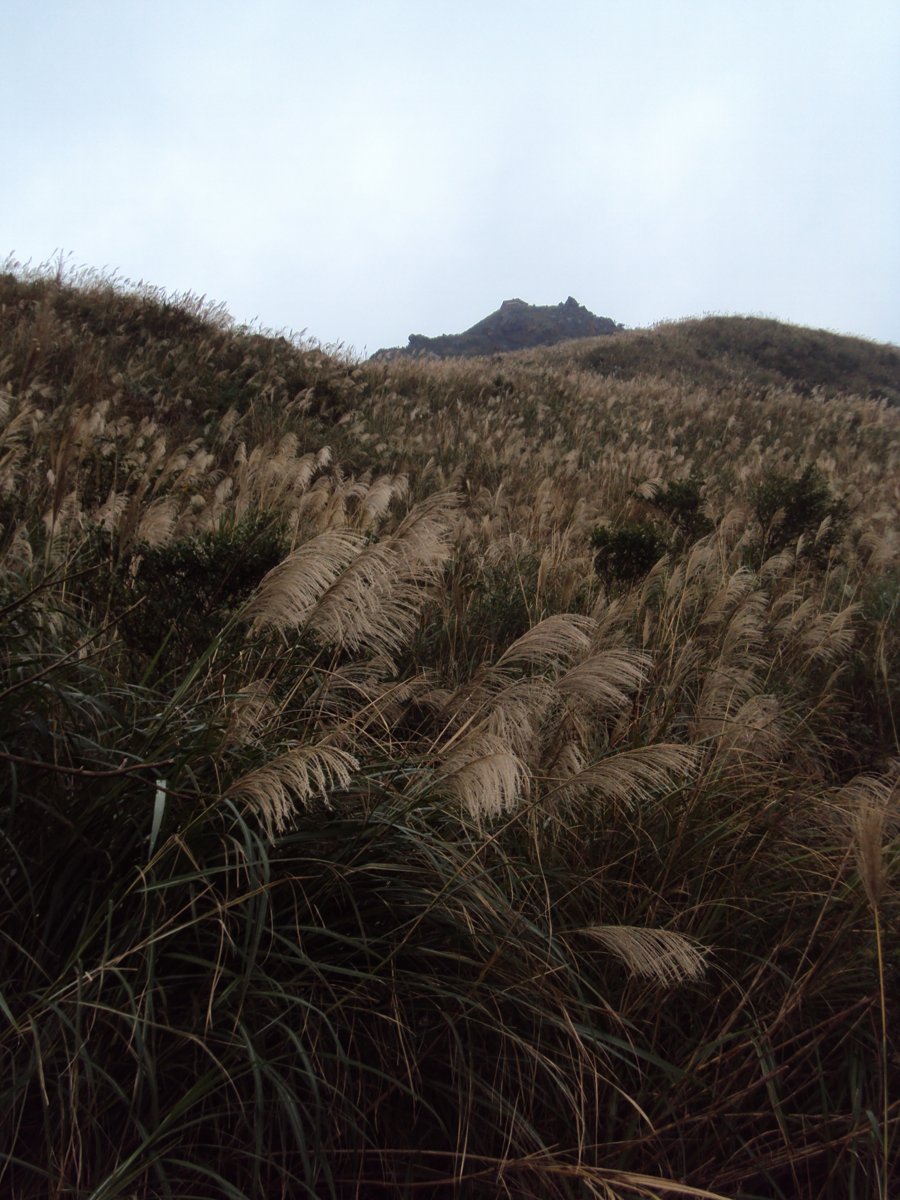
(514, 326)
(751, 353)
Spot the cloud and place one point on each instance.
(371, 170)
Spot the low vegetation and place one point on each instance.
(374, 824)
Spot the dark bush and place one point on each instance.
(211, 574)
(186, 591)
(681, 502)
(792, 506)
(626, 554)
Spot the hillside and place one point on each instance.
(460, 776)
(514, 326)
(722, 352)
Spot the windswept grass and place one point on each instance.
(357, 839)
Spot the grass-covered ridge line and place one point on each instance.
(439, 778)
(754, 353)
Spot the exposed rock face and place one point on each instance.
(514, 326)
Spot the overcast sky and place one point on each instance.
(366, 170)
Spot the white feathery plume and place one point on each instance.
(632, 776)
(606, 679)
(287, 595)
(157, 523)
(556, 641)
(226, 425)
(483, 774)
(68, 512)
(247, 710)
(779, 564)
(314, 502)
(303, 471)
(745, 629)
(294, 779)
(724, 690)
(870, 802)
(517, 712)
(668, 957)
(798, 612)
(830, 635)
(20, 428)
(755, 730)
(380, 495)
(736, 588)
(567, 761)
(376, 600)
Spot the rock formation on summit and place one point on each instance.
(514, 326)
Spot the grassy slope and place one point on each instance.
(753, 353)
(426, 856)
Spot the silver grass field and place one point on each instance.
(444, 778)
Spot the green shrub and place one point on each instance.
(792, 506)
(681, 502)
(181, 594)
(626, 554)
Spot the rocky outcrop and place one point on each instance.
(514, 326)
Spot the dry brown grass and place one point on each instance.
(364, 803)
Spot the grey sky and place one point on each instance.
(368, 170)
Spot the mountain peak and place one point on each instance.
(515, 325)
